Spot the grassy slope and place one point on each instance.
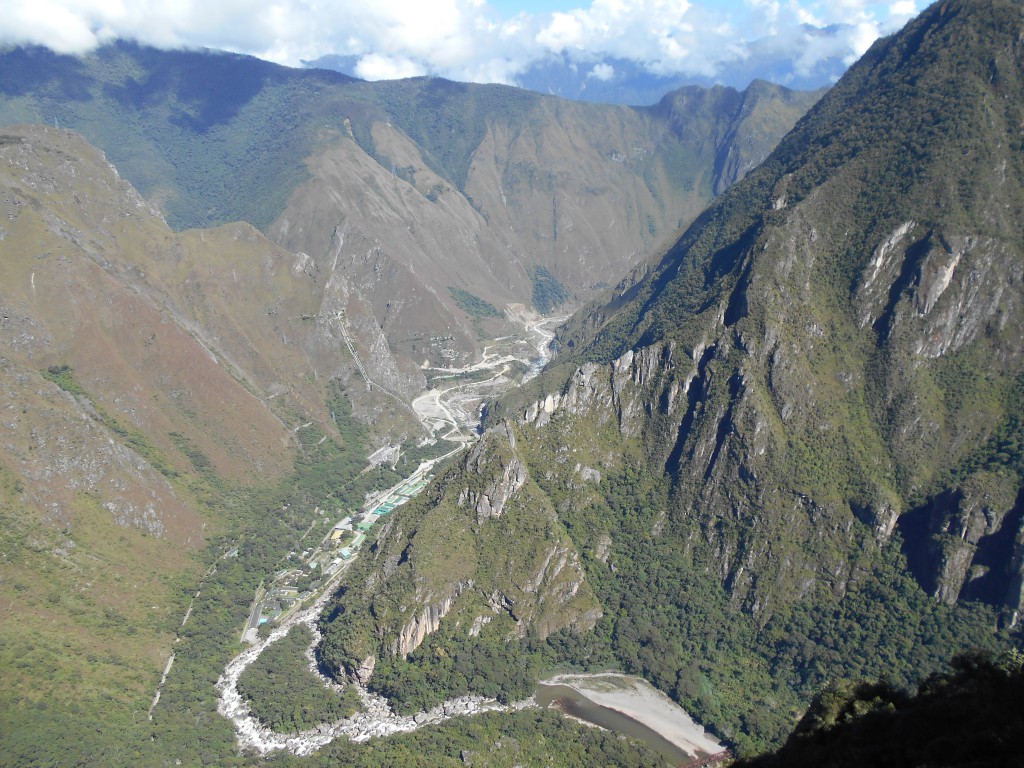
(88, 620)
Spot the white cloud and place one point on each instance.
(903, 8)
(602, 72)
(467, 39)
(656, 32)
(374, 66)
(65, 30)
(861, 38)
(900, 13)
(565, 30)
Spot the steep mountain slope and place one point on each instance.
(149, 381)
(865, 279)
(415, 189)
(560, 187)
(822, 374)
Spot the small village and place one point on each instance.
(315, 567)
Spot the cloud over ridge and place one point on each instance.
(470, 40)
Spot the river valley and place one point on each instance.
(449, 411)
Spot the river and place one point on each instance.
(619, 703)
(630, 706)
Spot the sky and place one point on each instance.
(472, 40)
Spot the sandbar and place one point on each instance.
(634, 697)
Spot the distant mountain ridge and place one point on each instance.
(611, 80)
(414, 187)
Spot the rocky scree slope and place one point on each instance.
(817, 388)
(415, 189)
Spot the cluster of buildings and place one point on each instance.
(341, 544)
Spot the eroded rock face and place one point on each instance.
(426, 621)
(364, 671)
(500, 486)
(617, 390)
(945, 287)
(733, 416)
(964, 545)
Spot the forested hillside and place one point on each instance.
(781, 456)
(180, 405)
(968, 717)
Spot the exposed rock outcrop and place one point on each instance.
(963, 544)
(426, 621)
(800, 372)
(500, 485)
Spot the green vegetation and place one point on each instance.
(735, 527)
(548, 293)
(81, 696)
(285, 695)
(64, 377)
(264, 524)
(740, 540)
(666, 621)
(746, 676)
(200, 461)
(446, 666)
(472, 305)
(448, 120)
(968, 717)
(220, 137)
(187, 727)
(1003, 452)
(334, 471)
(527, 738)
(216, 138)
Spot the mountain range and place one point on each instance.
(172, 391)
(418, 188)
(787, 453)
(778, 446)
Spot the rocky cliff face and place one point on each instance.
(840, 366)
(963, 544)
(426, 622)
